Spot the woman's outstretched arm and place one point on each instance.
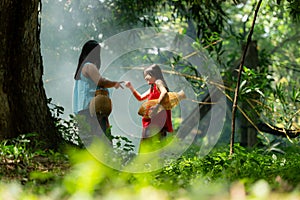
(91, 71)
(136, 94)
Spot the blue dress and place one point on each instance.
(83, 92)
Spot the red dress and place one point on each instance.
(163, 119)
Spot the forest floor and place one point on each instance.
(249, 175)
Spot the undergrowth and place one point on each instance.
(74, 173)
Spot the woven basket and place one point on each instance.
(170, 100)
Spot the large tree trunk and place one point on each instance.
(23, 101)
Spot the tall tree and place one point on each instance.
(23, 100)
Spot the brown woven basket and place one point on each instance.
(171, 100)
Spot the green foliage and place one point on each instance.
(68, 128)
(17, 149)
(189, 176)
(246, 166)
(123, 143)
(255, 82)
(294, 7)
(282, 105)
(30, 166)
(249, 166)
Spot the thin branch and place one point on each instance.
(270, 109)
(196, 52)
(247, 117)
(235, 100)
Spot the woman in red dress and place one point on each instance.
(158, 123)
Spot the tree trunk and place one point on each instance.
(23, 100)
(248, 132)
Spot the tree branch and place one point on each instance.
(236, 94)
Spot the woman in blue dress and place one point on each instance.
(87, 81)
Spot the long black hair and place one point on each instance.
(155, 71)
(90, 53)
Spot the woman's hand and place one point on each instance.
(128, 84)
(135, 93)
(118, 85)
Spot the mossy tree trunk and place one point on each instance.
(23, 101)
